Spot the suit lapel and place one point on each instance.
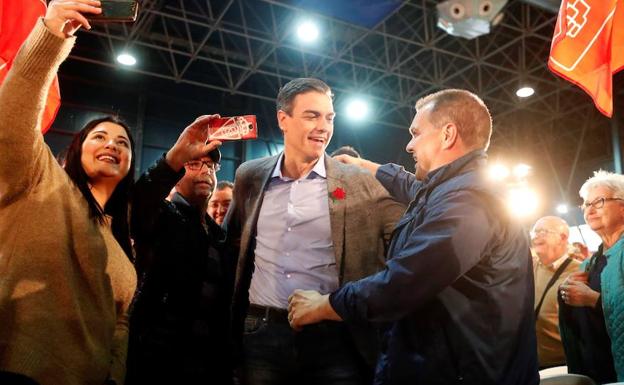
(260, 181)
(337, 208)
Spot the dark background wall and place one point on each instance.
(158, 110)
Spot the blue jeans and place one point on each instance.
(321, 354)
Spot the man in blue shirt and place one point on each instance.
(302, 220)
(456, 296)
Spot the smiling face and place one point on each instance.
(106, 154)
(549, 239)
(219, 204)
(608, 219)
(196, 186)
(309, 127)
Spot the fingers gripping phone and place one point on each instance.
(117, 11)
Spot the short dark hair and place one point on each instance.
(117, 205)
(290, 90)
(346, 150)
(466, 110)
(222, 185)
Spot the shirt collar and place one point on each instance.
(555, 265)
(447, 171)
(178, 198)
(318, 169)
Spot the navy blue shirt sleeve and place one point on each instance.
(401, 185)
(449, 241)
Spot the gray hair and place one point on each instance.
(610, 180)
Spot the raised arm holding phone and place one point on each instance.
(66, 277)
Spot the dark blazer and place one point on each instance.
(360, 223)
(179, 324)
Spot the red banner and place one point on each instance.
(17, 19)
(588, 47)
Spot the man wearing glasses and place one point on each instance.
(551, 266)
(178, 328)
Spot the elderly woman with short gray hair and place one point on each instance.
(591, 311)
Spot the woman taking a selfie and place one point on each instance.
(66, 280)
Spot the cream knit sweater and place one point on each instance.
(65, 283)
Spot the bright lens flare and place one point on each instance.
(498, 172)
(562, 208)
(307, 32)
(357, 110)
(522, 170)
(522, 201)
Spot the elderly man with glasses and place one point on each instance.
(591, 310)
(179, 326)
(551, 265)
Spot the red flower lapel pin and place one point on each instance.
(338, 194)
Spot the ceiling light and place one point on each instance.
(562, 208)
(522, 170)
(126, 59)
(498, 172)
(525, 92)
(307, 32)
(522, 201)
(357, 109)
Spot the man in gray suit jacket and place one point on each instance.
(301, 220)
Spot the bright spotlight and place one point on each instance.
(357, 109)
(525, 92)
(522, 170)
(126, 59)
(562, 208)
(307, 32)
(522, 201)
(498, 172)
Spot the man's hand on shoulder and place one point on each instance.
(360, 162)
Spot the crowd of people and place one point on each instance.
(308, 268)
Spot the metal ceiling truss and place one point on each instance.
(248, 48)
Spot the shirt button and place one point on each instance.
(288, 254)
(287, 275)
(289, 229)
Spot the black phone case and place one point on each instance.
(123, 11)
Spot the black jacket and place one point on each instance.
(179, 326)
(457, 292)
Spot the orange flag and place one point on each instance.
(588, 47)
(17, 19)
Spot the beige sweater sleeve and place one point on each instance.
(119, 351)
(22, 100)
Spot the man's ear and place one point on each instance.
(450, 135)
(281, 116)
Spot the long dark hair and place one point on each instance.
(117, 205)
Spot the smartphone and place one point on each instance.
(116, 11)
(233, 128)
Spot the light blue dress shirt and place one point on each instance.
(294, 248)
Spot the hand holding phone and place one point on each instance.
(116, 11)
(233, 128)
(64, 17)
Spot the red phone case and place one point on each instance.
(233, 128)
